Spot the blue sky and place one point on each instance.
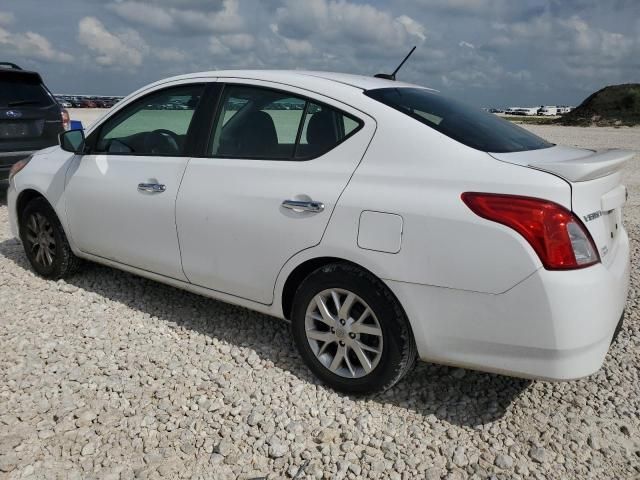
(486, 52)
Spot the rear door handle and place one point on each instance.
(303, 205)
(151, 187)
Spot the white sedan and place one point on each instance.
(385, 221)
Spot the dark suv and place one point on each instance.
(30, 117)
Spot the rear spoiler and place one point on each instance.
(20, 75)
(598, 164)
(9, 65)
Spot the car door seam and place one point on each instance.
(175, 217)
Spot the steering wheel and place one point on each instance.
(162, 141)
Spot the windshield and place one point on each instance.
(23, 92)
(468, 125)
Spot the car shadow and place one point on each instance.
(458, 396)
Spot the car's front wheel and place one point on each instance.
(351, 331)
(45, 242)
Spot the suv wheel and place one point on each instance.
(351, 331)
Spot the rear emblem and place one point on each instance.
(592, 216)
(13, 114)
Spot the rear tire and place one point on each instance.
(362, 343)
(45, 242)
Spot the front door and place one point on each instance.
(276, 164)
(120, 198)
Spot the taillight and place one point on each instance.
(556, 234)
(66, 120)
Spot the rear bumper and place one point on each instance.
(554, 325)
(8, 159)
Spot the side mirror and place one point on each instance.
(72, 141)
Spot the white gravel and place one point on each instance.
(113, 376)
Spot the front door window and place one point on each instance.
(156, 124)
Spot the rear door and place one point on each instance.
(276, 163)
(30, 118)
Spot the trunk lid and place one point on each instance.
(597, 192)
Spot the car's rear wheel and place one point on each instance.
(45, 242)
(351, 331)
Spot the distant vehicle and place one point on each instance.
(523, 111)
(562, 109)
(75, 103)
(30, 117)
(65, 104)
(496, 110)
(84, 101)
(547, 110)
(386, 221)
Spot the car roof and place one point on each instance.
(301, 78)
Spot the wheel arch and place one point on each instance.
(23, 199)
(301, 271)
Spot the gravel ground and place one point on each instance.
(113, 376)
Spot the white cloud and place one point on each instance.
(170, 54)
(412, 27)
(119, 50)
(144, 14)
(186, 20)
(239, 41)
(573, 39)
(479, 49)
(298, 47)
(217, 48)
(230, 43)
(343, 22)
(31, 45)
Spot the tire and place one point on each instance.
(384, 335)
(45, 242)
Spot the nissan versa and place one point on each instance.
(384, 220)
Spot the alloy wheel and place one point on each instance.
(40, 239)
(343, 333)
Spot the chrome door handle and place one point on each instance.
(303, 205)
(151, 187)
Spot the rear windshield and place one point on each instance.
(17, 92)
(468, 125)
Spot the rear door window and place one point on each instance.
(261, 123)
(323, 128)
(467, 125)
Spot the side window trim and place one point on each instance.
(300, 129)
(203, 120)
(306, 99)
(92, 140)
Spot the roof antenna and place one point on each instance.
(386, 76)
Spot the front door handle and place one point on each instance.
(151, 187)
(303, 205)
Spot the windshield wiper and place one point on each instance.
(23, 102)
